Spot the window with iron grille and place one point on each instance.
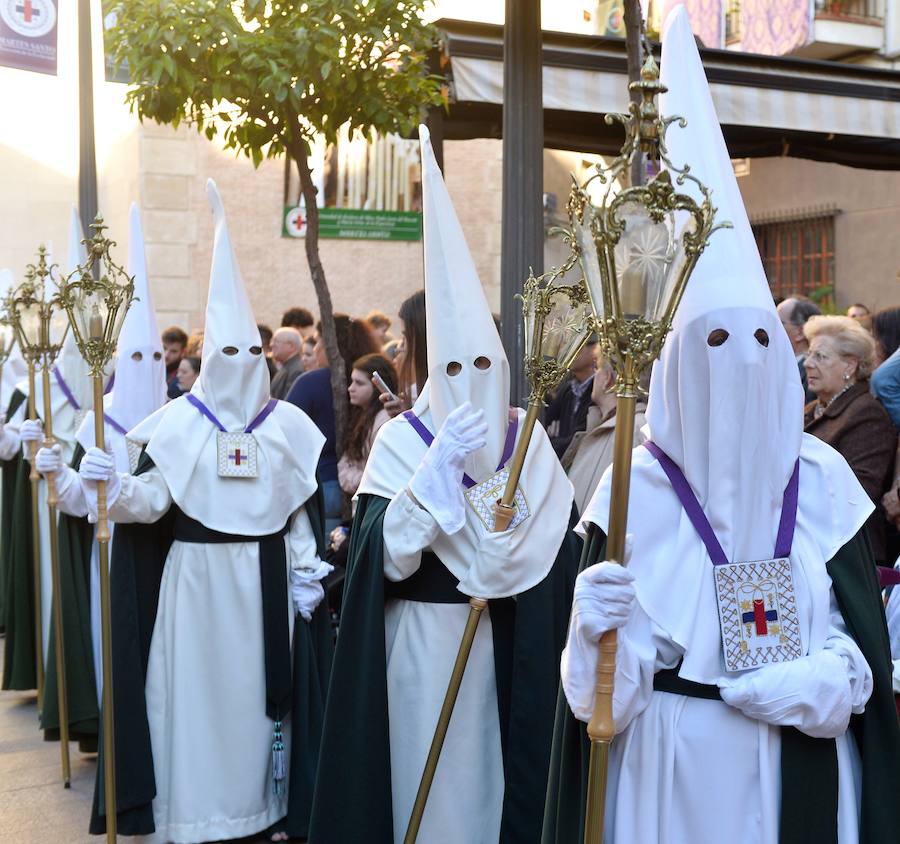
(798, 256)
(732, 21)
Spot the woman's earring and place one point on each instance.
(846, 376)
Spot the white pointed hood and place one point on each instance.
(70, 364)
(460, 328)
(15, 368)
(235, 387)
(140, 386)
(699, 392)
(729, 415)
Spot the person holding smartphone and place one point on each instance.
(366, 415)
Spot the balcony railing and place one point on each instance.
(862, 11)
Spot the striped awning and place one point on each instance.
(827, 111)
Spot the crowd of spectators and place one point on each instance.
(849, 367)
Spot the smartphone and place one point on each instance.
(379, 383)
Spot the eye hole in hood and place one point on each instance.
(762, 337)
(717, 337)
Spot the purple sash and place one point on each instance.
(114, 425)
(508, 446)
(888, 577)
(785, 538)
(258, 420)
(66, 391)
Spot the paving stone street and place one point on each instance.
(34, 806)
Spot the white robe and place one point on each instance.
(422, 639)
(421, 644)
(206, 686)
(684, 769)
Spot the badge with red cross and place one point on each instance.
(757, 613)
(237, 455)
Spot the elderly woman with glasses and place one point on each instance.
(845, 414)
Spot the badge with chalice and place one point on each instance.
(483, 496)
(237, 455)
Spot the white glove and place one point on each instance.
(30, 431)
(604, 600)
(306, 589)
(49, 460)
(897, 676)
(811, 693)
(436, 484)
(97, 465)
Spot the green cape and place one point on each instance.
(19, 647)
(76, 539)
(809, 766)
(7, 482)
(138, 556)
(353, 793)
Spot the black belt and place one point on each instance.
(432, 583)
(273, 579)
(668, 680)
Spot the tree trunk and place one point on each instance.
(633, 31)
(298, 151)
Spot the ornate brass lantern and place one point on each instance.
(96, 297)
(24, 312)
(637, 249)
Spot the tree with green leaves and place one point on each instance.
(271, 76)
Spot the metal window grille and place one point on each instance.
(798, 256)
(861, 10)
(732, 21)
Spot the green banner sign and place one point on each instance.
(355, 224)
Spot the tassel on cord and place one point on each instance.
(278, 771)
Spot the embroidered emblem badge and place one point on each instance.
(483, 496)
(236, 455)
(757, 613)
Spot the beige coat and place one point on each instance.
(591, 451)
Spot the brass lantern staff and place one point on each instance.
(638, 248)
(24, 312)
(557, 326)
(53, 327)
(96, 297)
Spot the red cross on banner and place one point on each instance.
(236, 457)
(27, 10)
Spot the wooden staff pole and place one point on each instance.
(59, 637)
(504, 510)
(35, 480)
(601, 727)
(109, 742)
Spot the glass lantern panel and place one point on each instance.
(124, 300)
(90, 313)
(649, 258)
(6, 340)
(530, 318)
(590, 263)
(59, 325)
(30, 323)
(567, 328)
